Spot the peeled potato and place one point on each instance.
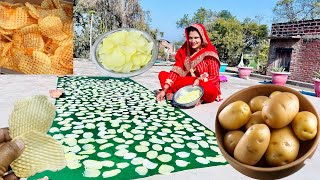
(253, 144)
(258, 102)
(305, 125)
(283, 148)
(235, 115)
(231, 140)
(281, 110)
(255, 118)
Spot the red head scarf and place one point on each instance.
(184, 63)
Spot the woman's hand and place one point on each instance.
(196, 82)
(9, 151)
(160, 95)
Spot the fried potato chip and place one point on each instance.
(13, 18)
(51, 26)
(9, 63)
(33, 41)
(40, 64)
(57, 68)
(54, 12)
(41, 153)
(34, 28)
(65, 53)
(32, 10)
(68, 8)
(6, 48)
(34, 113)
(56, 3)
(68, 28)
(47, 4)
(5, 31)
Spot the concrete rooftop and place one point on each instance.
(14, 87)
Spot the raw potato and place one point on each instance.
(231, 140)
(283, 147)
(305, 125)
(274, 94)
(235, 115)
(258, 102)
(255, 118)
(253, 144)
(281, 110)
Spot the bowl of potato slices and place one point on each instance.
(267, 131)
(124, 52)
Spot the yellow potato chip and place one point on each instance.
(68, 8)
(6, 48)
(54, 12)
(34, 113)
(57, 68)
(13, 18)
(32, 10)
(33, 41)
(34, 28)
(51, 26)
(9, 63)
(68, 28)
(66, 41)
(56, 3)
(65, 53)
(41, 153)
(5, 31)
(47, 4)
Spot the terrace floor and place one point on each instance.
(14, 87)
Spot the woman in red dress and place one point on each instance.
(197, 63)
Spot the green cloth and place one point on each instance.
(124, 118)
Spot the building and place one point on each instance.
(296, 47)
(168, 49)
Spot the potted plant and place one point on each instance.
(279, 76)
(316, 80)
(244, 71)
(223, 67)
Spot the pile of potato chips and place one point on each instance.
(37, 39)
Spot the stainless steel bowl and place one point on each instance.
(108, 72)
(182, 92)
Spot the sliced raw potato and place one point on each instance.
(165, 157)
(202, 160)
(177, 145)
(34, 113)
(92, 164)
(122, 165)
(112, 173)
(182, 163)
(169, 150)
(108, 163)
(129, 155)
(197, 152)
(88, 147)
(54, 130)
(41, 153)
(157, 147)
(192, 145)
(121, 152)
(152, 154)
(148, 164)
(105, 146)
(166, 169)
(88, 135)
(218, 158)
(183, 154)
(104, 154)
(91, 173)
(141, 148)
(137, 161)
(141, 170)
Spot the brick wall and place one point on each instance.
(310, 27)
(305, 58)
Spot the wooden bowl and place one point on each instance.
(261, 170)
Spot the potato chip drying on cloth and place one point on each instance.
(29, 28)
(30, 120)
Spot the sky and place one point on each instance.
(165, 13)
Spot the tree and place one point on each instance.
(202, 16)
(295, 10)
(108, 15)
(227, 36)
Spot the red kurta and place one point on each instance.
(203, 64)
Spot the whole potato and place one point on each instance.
(253, 144)
(283, 148)
(231, 140)
(257, 103)
(234, 115)
(305, 125)
(274, 93)
(255, 118)
(281, 110)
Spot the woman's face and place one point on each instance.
(194, 40)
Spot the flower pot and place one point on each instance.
(280, 78)
(223, 67)
(317, 86)
(244, 72)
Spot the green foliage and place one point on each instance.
(278, 69)
(202, 16)
(317, 74)
(295, 10)
(225, 14)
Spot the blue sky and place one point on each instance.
(165, 13)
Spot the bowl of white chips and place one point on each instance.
(187, 97)
(124, 52)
